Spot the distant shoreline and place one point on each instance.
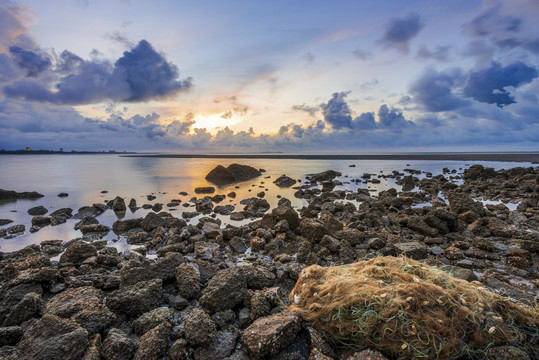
(509, 157)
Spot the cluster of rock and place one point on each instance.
(220, 292)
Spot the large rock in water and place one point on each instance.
(233, 173)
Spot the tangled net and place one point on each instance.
(410, 310)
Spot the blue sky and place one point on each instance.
(249, 76)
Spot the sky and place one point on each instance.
(243, 76)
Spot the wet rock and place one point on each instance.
(199, 328)
(257, 277)
(233, 173)
(237, 244)
(31, 305)
(41, 221)
(460, 202)
(408, 183)
(313, 230)
(267, 336)
(10, 335)
(255, 206)
(118, 204)
(74, 300)
(205, 190)
(95, 318)
(117, 346)
(478, 172)
(152, 221)
(414, 250)
(5, 222)
(324, 176)
(94, 349)
(153, 344)
(285, 212)
(12, 195)
(204, 205)
(224, 210)
(135, 300)
(94, 228)
(77, 252)
(157, 207)
(38, 210)
(224, 291)
(188, 281)
(376, 243)
(52, 337)
(151, 319)
(237, 216)
(284, 181)
(220, 348)
(178, 350)
(353, 236)
(418, 224)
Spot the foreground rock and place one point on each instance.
(233, 173)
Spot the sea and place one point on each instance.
(98, 178)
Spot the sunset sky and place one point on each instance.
(350, 76)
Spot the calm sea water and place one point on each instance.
(84, 177)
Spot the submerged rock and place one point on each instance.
(233, 173)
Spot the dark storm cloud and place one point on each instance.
(400, 31)
(490, 21)
(392, 117)
(365, 121)
(141, 74)
(488, 85)
(440, 53)
(311, 110)
(337, 112)
(433, 90)
(31, 61)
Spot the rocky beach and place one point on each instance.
(194, 287)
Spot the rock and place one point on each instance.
(118, 204)
(10, 335)
(237, 216)
(233, 173)
(324, 176)
(38, 210)
(52, 337)
(152, 221)
(121, 226)
(417, 224)
(94, 349)
(367, 354)
(73, 300)
(353, 236)
(460, 202)
(414, 250)
(151, 319)
(13, 195)
(267, 336)
(507, 353)
(286, 212)
(117, 346)
(153, 345)
(199, 328)
(284, 181)
(95, 319)
(188, 280)
(224, 291)
(408, 183)
(178, 350)
(376, 243)
(30, 306)
(5, 222)
(224, 209)
(257, 277)
(135, 300)
(313, 230)
(220, 348)
(204, 205)
(77, 252)
(205, 190)
(41, 221)
(94, 228)
(476, 172)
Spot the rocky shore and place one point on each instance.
(215, 291)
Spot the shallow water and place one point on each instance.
(84, 177)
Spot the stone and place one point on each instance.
(77, 252)
(73, 300)
(224, 291)
(37, 210)
(188, 281)
(376, 243)
(237, 216)
(118, 204)
(52, 337)
(117, 346)
(95, 318)
(353, 236)
(267, 336)
(414, 250)
(199, 328)
(284, 181)
(121, 226)
(286, 212)
(205, 190)
(313, 230)
(151, 319)
(178, 350)
(10, 335)
(233, 173)
(12, 195)
(257, 277)
(204, 205)
(220, 348)
(152, 221)
(30, 306)
(224, 209)
(135, 300)
(506, 352)
(94, 349)
(153, 344)
(324, 176)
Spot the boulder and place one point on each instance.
(37, 210)
(77, 252)
(30, 305)
(52, 337)
(13, 195)
(136, 299)
(151, 319)
(118, 204)
(121, 226)
(224, 291)
(153, 344)
(10, 335)
(73, 300)
(152, 221)
(95, 319)
(286, 212)
(188, 280)
(117, 346)
(284, 181)
(414, 250)
(205, 190)
(220, 348)
(324, 176)
(267, 336)
(199, 328)
(233, 173)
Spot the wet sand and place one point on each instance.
(516, 157)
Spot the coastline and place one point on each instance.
(508, 157)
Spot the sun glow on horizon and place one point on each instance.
(215, 122)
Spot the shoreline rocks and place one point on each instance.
(231, 174)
